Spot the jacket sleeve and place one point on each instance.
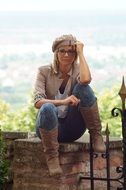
(40, 84)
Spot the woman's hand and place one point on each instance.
(71, 100)
(85, 75)
(79, 47)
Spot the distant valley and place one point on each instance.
(26, 44)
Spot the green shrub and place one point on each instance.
(22, 119)
(107, 100)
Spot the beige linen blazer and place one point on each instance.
(48, 83)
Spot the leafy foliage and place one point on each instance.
(107, 100)
(19, 120)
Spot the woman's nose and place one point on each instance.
(66, 53)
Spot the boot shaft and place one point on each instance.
(50, 142)
(93, 124)
(91, 117)
(51, 146)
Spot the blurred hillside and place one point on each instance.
(25, 44)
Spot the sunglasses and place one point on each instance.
(69, 52)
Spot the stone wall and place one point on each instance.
(28, 169)
(9, 138)
(31, 173)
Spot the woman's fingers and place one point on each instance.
(74, 100)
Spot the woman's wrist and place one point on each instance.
(80, 54)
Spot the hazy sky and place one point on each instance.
(38, 5)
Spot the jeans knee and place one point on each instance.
(47, 117)
(85, 94)
(47, 108)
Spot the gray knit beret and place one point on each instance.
(63, 40)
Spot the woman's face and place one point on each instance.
(66, 55)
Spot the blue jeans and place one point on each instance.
(72, 126)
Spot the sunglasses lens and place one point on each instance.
(69, 52)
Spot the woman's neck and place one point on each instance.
(64, 70)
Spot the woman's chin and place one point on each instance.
(66, 62)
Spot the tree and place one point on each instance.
(107, 100)
(22, 119)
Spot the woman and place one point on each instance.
(66, 103)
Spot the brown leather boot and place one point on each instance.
(93, 124)
(51, 145)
